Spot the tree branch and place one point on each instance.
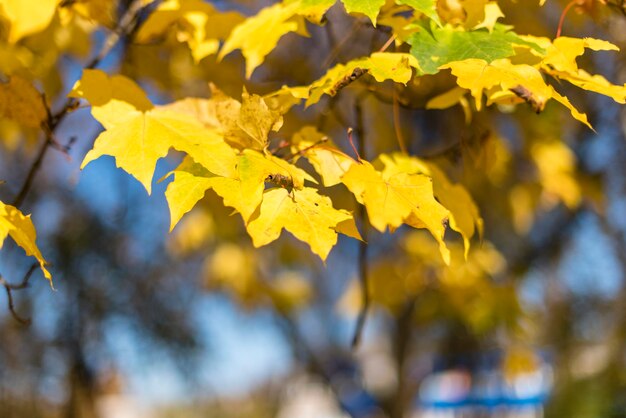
(125, 26)
(362, 260)
(316, 365)
(9, 290)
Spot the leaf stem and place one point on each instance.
(356, 151)
(562, 19)
(388, 43)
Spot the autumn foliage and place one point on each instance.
(265, 150)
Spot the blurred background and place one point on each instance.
(198, 323)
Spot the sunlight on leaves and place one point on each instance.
(309, 216)
(18, 226)
(27, 17)
(393, 198)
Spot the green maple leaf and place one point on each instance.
(435, 47)
(370, 8)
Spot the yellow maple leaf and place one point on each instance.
(575, 113)
(449, 99)
(18, 226)
(241, 190)
(329, 162)
(286, 97)
(313, 10)
(474, 12)
(254, 170)
(559, 61)
(394, 198)
(478, 75)
(138, 135)
(309, 216)
(561, 53)
(21, 102)
(396, 66)
(111, 97)
(523, 80)
(203, 110)
(257, 36)
(464, 216)
(193, 233)
(451, 11)
(556, 165)
(244, 125)
(195, 22)
(145, 137)
(257, 120)
(191, 181)
(471, 14)
(595, 83)
(27, 17)
(492, 13)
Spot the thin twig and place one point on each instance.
(16, 316)
(389, 41)
(362, 260)
(9, 288)
(19, 199)
(401, 350)
(364, 281)
(317, 143)
(396, 105)
(337, 48)
(24, 283)
(396, 123)
(124, 27)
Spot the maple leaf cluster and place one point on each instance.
(226, 141)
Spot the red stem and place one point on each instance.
(562, 19)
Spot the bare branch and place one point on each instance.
(9, 288)
(315, 364)
(362, 260)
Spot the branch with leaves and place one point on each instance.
(14, 223)
(226, 141)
